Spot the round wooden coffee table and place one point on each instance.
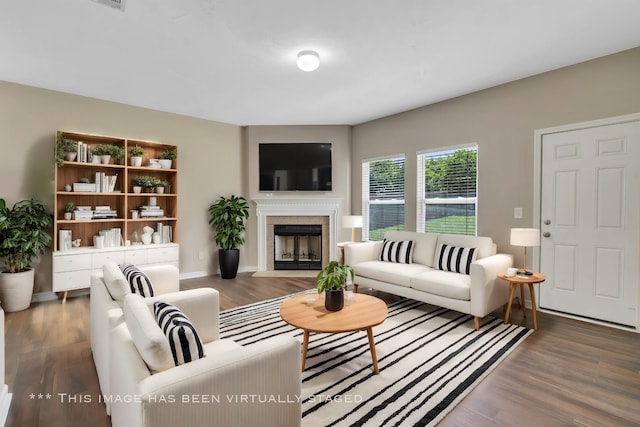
(307, 312)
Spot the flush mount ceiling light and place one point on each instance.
(308, 60)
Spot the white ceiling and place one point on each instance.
(233, 61)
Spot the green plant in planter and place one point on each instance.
(334, 277)
(84, 180)
(136, 151)
(69, 207)
(23, 233)
(169, 154)
(146, 181)
(227, 218)
(116, 152)
(64, 145)
(101, 150)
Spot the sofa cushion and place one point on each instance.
(147, 336)
(443, 283)
(457, 260)
(186, 345)
(115, 281)
(396, 274)
(397, 251)
(484, 245)
(424, 248)
(138, 281)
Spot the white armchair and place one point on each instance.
(232, 385)
(107, 296)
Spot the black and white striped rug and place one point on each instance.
(429, 359)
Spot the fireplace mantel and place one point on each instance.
(297, 207)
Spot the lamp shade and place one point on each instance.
(525, 237)
(352, 221)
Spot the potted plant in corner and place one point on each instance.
(333, 279)
(23, 236)
(227, 217)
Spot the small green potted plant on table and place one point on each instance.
(333, 280)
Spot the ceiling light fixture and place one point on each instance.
(308, 60)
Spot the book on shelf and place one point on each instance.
(165, 231)
(105, 183)
(112, 237)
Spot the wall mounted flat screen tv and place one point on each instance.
(295, 166)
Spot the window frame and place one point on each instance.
(422, 202)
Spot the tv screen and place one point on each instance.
(295, 167)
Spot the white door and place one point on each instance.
(590, 222)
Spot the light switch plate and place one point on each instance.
(517, 213)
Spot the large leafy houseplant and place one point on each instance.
(227, 217)
(23, 236)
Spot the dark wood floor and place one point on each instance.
(568, 373)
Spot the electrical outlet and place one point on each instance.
(517, 213)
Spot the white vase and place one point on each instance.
(157, 238)
(136, 161)
(160, 190)
(146, 238)
(70, 156)
(106, 158)
(137, 189)
(165, 163)
(16, 290)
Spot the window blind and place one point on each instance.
(447, 191)
(383, 196)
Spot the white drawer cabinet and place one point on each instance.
(72, 269)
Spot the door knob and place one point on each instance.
(546, 234)
(547, 221)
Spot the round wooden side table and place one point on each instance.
(521, 280)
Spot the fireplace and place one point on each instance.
(295, 211)
(297, 247)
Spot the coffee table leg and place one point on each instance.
(372, 347)
(305, 345)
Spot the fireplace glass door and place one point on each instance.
(297, 247)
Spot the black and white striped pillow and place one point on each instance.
(458, 260)
(184, 340)
(138, 281)
(400, 252)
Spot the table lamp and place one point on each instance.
(525, 237)
(352, 222)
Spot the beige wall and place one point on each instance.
(339, 136)
(210, 156)
(502, 121)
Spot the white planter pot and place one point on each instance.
(137, 189)
(106, 158)
(96, 159)
(16, 290)
(160, 190)
(165, 163)
(70, 156)
(67, 216)
(136, 161)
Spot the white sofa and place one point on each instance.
(477, 293)
(233, 385)
(107, 293)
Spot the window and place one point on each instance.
(447, 191)
(383, 197)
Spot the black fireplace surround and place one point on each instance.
(297, 247)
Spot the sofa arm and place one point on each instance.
(487, 293)
(202, 307)
(164, 278)
(259, 384)
(355, 253)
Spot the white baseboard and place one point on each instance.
(5, 403)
